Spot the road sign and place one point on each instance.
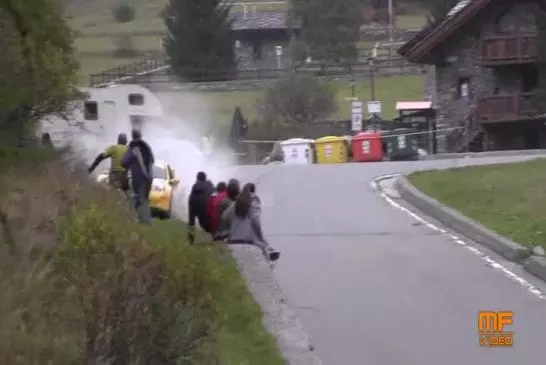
(356, 116)
(374, 107)
(356, 122)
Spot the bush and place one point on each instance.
(124, 47)
(296, 100)
(123, 12)
(81, 282)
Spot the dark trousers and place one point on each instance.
(141, 196)
(119, 180)
(201, 216)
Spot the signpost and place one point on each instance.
(374, 107)
(356, 116)
(278, 52)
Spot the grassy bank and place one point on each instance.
(82, 283)
(509, 198)
(98, 34)
(219, 105)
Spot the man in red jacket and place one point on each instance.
(212, 206)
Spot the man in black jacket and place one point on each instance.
(197, 203)
(139, 160)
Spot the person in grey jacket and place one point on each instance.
(233, 190)
(255, 202)
(242, 226)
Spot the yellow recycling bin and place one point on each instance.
(331, 150)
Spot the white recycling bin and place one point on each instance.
(298, 151)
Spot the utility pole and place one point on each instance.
(391, 30)
(353, 83)
(371, 64)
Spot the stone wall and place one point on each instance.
(463, 53)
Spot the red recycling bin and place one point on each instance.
(367, 147)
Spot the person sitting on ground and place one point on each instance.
(244, 227)
(46, 141)
(197, 204)
(212, 206)
(232, 192)
(256, 203)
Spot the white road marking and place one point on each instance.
(490, 262)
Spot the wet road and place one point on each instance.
(373, 286)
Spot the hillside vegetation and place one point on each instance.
(80, 281)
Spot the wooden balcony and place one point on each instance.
(509, 49)
(506, 108)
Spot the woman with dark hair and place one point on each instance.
(243, 226)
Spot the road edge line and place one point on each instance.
(530, 262)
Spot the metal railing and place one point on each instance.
(505, 107)
(517, 47)
(160, 69)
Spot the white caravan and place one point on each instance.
(106, 111)
(122, 106)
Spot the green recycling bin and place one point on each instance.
(402, 144)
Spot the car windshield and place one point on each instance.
(158, 172)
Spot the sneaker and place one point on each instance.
(273, 255)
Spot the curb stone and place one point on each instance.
(472, 230)
(278, 317)
(469, 228)
(536, 265)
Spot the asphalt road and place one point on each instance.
(373, 286)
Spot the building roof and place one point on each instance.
(464, 11)
(262, 20)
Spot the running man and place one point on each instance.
(117, 176)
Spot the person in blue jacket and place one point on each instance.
(138, 160)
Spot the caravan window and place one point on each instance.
(136, 99)
(91, 110)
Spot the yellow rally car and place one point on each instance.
(164, 185)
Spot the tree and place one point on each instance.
(123, 11)
(330, 28)
(38, 72)
(199, 41)
(297, 100)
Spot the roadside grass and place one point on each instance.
(507, 198)
(82, 283)
(411, 21)
(220, 105)
(241, 339)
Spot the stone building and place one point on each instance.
(258, 36)
(485, 71)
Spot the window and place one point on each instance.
(91, 110)
(529, 78)
(158, 172)
(256, 50)
(463, 90)
(136, 99)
